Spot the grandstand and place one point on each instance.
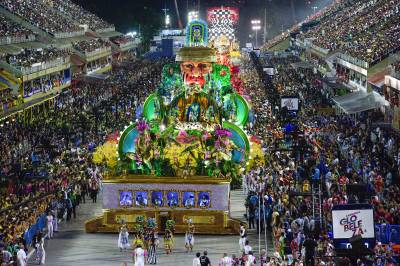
(356, 43)
(45, 44)
(349, 40)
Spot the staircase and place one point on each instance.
(317, 203)
(330, 59)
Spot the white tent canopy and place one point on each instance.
(359, 101)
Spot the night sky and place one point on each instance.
(126, 15)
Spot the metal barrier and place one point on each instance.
(386, 233)
(17, 39)
(44, 65)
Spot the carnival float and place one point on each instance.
(178, 161)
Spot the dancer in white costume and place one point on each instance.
(189, 236)
(243, 237)
(50, 228)
(123, 241)
(139, 256)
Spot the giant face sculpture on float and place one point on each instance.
(196, 65)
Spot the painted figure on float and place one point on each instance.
(179, 159)
(192, 123)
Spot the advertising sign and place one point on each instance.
(347, 223)
(292, 104)
(353, 220)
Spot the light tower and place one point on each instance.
(256, 26)
(167, 19)
(193, 15)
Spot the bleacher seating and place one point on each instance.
(41, 14)
(11, 29)
(80, 15)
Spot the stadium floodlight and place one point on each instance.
(314, 8)
(193, 15)
(256, 26)
(132, 34)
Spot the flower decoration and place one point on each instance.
(142, 126)
(221, 132)
(184, 137)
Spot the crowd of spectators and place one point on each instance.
(80, 15)
(319, 15)
(87, 46)
(338, 152)
(45, 83)
(46, 164)
(7, 99)
(367, 30)
(27, 57)
(9, 28)
(41, 14)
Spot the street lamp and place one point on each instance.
(167, 21)
(256, 26)
(314, 8)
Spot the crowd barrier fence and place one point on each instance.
(386, 233)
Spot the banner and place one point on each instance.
(292, 104)
(347, 223)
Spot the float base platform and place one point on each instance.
(209, 209)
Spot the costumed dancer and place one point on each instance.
(123, 241)
(169, 237)
(168, 241)
(152, 250)
(139, 256)
(40, 253)
(152, 241)
(137, 241)
(243, 237)
(189, 236)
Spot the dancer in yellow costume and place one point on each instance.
(168, 241)
(138, 240)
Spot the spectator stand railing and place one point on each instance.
(62, 35)
(392, 51)
(106, 30)
(44, 65)
(98, 51)
(320, 49)
(17, 39)
(353, 60)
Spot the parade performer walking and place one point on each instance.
(152, 250)
(169, 237)
(138, 240)
(189, 236)
(168, 241)
(152, 241)
(243, 237)
(139, 256)
(37, 243)
(123, 241)
(49, 220)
